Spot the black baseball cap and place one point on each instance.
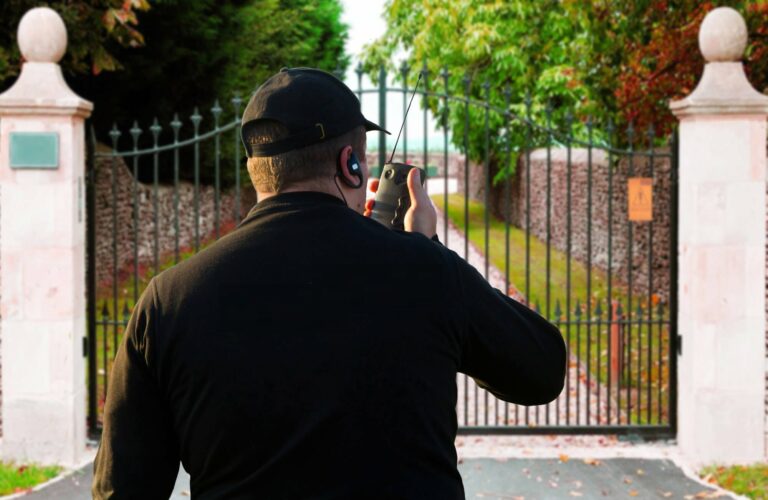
(312, 104)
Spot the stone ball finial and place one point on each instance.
(42, 35)
(723, 35)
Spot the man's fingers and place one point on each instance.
(415, 189)
(374, 186)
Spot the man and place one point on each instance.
(313, 352)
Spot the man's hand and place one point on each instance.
(421, 217)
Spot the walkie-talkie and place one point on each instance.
(392, 198)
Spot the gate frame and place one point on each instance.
(665, 431)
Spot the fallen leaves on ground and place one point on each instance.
(633, 493)
(564, 458)
(576, 494)
(592, 461)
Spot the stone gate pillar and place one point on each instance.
(42, 252)
(722, 237)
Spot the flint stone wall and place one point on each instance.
(123, 238)
(645, 235)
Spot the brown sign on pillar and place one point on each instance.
(640, 198)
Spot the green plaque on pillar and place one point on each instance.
(34, 149)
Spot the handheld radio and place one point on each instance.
(392, 198)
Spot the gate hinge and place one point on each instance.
(85, 347)
(679, 342)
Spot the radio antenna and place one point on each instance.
(404, 118)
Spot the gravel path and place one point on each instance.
(580, 402)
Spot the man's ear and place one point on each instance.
(343, 164)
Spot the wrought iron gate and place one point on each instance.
(556, 235)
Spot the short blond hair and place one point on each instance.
(275, 173)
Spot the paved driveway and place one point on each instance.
(513, 478)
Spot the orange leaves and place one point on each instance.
(119, 24)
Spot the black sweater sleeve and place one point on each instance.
(508, 349)
(138, 455)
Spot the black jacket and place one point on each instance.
(312, 353)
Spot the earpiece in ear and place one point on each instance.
(353, 165)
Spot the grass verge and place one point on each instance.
(16, 478)
(748, 480)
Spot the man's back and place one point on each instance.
(312, 353)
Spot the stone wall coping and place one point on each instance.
(578, 155)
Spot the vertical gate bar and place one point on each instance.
(589, 268)
(155, 129)
(660, 329)
(90, 213)
(105, 354)
(115, 135)
(673, 261)
(236, 101)
(528, 139)
(548, 263)
(628, 362)
(598, 362)
(404, 74)
(359, 71)
(382, 115)
(507, 187)
(176, 125)
(425, 75)
(486, 88)
(507, 202)
(467, 83)
(649, 342)
(467, 90)
(487, 175)
(446, 115)
(611, 315)
(568, 202)
(196, 118)
(577, 313)
(135, 133)
(216, 112)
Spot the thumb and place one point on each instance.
(415, 189)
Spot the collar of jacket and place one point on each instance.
(292, 199)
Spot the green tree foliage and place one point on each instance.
(176, 55)
(618, 62)
(490, 49)
(197, 52)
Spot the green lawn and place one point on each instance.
(748, 480)
(587, 338)
(15, 478)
